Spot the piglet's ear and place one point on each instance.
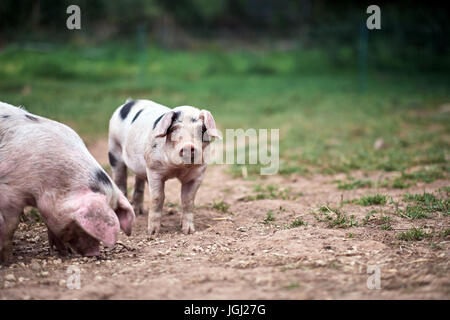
(163, 123)
(210, 124)
(103, 226)
(126, 215)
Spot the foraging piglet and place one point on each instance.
(45, 164)
(157, 144)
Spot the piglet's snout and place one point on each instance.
(189, 153)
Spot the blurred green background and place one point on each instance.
(310, 68)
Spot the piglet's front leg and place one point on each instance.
(156, 188)
(55, 242)
(138, 195)
(188, 192)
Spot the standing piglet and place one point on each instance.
(45, 164)
(157, 144)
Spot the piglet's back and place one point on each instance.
(34, 148)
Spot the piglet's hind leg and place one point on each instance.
(8, 224)
(138, 196)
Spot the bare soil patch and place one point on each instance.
(242, 255)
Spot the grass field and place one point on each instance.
(328, 122)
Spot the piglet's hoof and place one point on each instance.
(5, 257)
(187, 227)
(139, 209)
(153, 229)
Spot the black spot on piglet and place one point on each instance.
(157, 120)
(4, 116)
(100, 181)
(175, 117)
(31, 117)
(126, 109)
(103, 177)
(137, 115)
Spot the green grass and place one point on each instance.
(292, 285)
(32, 217)
(414, 234)
(426, 175)
(335, 218)
(354, 184)
(423, 204)
(368, 216)
(445, 233)
(297, 223)
(386, 223)
(221, 206)
(327, 123)
(429, 201)
(172, 204)
(386, 226)
(271, 192)
(400, 183)
(415, 212)
(269, 217)
(370, 200)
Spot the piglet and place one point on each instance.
(45, 164)
(157, 143)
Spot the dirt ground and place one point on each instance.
(238, 256)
